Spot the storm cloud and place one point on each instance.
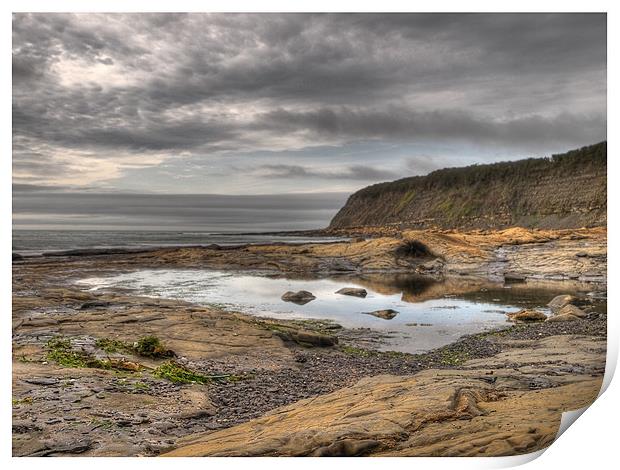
(271, 103)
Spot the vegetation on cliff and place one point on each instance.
(562, 191)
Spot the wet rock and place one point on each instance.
(527, 316)
(300, 297)
(353, 291)
(561, 301)
(386, 314)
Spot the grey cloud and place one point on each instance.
(209, 85)
(405, 124)
(353, 172)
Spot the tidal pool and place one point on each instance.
(431, 313)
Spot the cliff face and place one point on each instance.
(564, 191)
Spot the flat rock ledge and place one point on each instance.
(487, 409)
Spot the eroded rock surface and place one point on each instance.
(483, 409)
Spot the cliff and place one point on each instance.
(563, 191)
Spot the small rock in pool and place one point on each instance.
(300, 297)
(354, 291)
(386, 314)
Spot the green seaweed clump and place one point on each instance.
(112, 345)
(151, 346)
(178, 373)
(61, 352)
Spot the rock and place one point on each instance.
(358, 239)
(514, 277)
(561, 318)
(195, 414)
(94, 304)
(41, 380)
(300, 297)
(23, 426)
(561, 301)
(527, 316)
(17, 257)
(337, 265)
(386, 314)
(307, 338)
(354, 291)
(64, 447)
(572, 310)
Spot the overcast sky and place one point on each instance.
(237, 104)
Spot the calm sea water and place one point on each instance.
(35, 242)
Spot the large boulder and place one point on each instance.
(386, 314)
(300, 297)
(560, 301)
(354, 291)
(527, 316)
(572, 310)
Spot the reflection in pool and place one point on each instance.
(430, 313)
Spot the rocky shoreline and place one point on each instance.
(96, 393)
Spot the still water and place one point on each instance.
(430, 313)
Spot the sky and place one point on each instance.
(110, 109)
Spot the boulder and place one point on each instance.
(527, 316)
(300, 297)
(560, 301)
(386, 314)
(561, 318)
(572, 310)
(354, 291)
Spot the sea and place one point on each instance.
(37, 242)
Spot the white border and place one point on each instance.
(592, 442)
